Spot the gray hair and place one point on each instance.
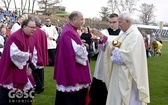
(126, 16)
(37, 21)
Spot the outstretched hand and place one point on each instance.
(97, 33)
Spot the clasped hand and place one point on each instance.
(29, 71)
(97, 35)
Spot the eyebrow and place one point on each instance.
(112, 21)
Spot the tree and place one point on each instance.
(28, 6)
(104, 13)
(19, 5)
(6, 3)
(147, 13)
(112, 5)
(44, 4)
(15, 5)
(33, 5)
(23, 6)
(122, 5)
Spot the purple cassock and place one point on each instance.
(9, 72)
(41, 45)
(66, 71)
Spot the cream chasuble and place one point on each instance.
(132, 52)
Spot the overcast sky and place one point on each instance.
(91, 8)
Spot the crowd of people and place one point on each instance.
(8, 17)
(120, 76)
(153, 44)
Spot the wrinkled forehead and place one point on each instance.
(120, 20)
(120, 17)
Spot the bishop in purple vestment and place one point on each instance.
(71, 69)
(17, 61)
(42, 53)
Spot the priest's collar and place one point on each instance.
(48, 25)
(73, 27)
(129, 30)
(115, 29)
(18, 23)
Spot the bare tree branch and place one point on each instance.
(15, 5)
(111, 5)
(6, 3)
(122, 5)
(33, 5)
(147, 13)
(28, 6)
(44, 4)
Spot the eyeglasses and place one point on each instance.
(112, 22)
(32, 27)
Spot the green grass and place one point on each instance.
(48, 96)
(158, 81)
(158, 77)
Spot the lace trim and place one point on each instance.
(27, 86)
(102, 46)
(116, 58)
(71, 88)
(34, 58)
(81, 53)
(19, 58)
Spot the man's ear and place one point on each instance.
(128, 21)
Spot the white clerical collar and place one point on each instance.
(125, 33)
(115, 29)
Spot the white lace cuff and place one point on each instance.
(81, 53)
(116, 58)
(19, 58)
(102, 46)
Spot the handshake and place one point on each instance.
(116, 43)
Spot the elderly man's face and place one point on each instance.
(123, 24)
